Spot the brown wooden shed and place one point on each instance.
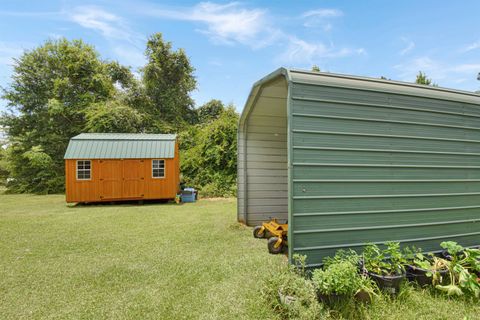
(121, 166)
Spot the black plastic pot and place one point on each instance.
(363, 297)
(419, 275)
(447, 256)
(389, 284)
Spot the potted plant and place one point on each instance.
(425, 269)
(451, 248)
(472, 260)
(385, 267)
(462, 278)
(340, 281)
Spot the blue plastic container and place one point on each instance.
(188, 195)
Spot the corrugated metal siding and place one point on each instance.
(373, 166)
(264, 158)
(120, 146)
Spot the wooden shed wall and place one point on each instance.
(118, 179)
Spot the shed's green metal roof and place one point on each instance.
(121, 146)
(328, 79)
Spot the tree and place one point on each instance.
(315, 68)
(113, 116)
(423, 79)
(210, 111)
(53, 87)
(209, 154)
(168, 80)
(3, 166)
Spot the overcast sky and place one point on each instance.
(233, 44)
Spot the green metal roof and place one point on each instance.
(335, 80)
(121, 146)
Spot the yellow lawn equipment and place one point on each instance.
(275, 232)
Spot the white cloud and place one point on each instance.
(55, 36)
(409, 70)
(323, 13)
(361, 51)
(8, 51)
(466, 68)
(319, 18)
(447, 73)
(129, 56)
(301, 51)
(225, 23)
(472, 46)
(106, 23)
(409, 46)
(232, 23)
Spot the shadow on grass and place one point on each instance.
(123, 203)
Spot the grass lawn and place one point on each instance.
(160, 261)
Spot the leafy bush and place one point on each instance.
(35, 171)
(4, 172)
(461, 267)
(340, 278)
(113, 116)
(341, 256)
(429, 262)
(389, 261)
(209, 155)
(296, 289)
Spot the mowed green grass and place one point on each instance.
(153, 261)
(161, 261)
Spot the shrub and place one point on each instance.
(389, 261)
(462, 280)
(340, 278)
(291, 284)
(209, 155)
(304, 304)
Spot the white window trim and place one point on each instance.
(76, 170)
(164, 168)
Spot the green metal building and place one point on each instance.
(350, 160)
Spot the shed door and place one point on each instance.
(111, 179)
(133, 178)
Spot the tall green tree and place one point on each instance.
(3, 166)
(114, 116)
(209, 111)
(168, 81)
(53, 87)
(423, 79)
(209, 154)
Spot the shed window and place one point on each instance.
(84, 169)
(158, 168)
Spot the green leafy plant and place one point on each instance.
(389, 261)
(462, 281)
(340, 277)
(432, 265)
(472, 259)
(292, 295)
(341, 256)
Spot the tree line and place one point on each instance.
(63, 88)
